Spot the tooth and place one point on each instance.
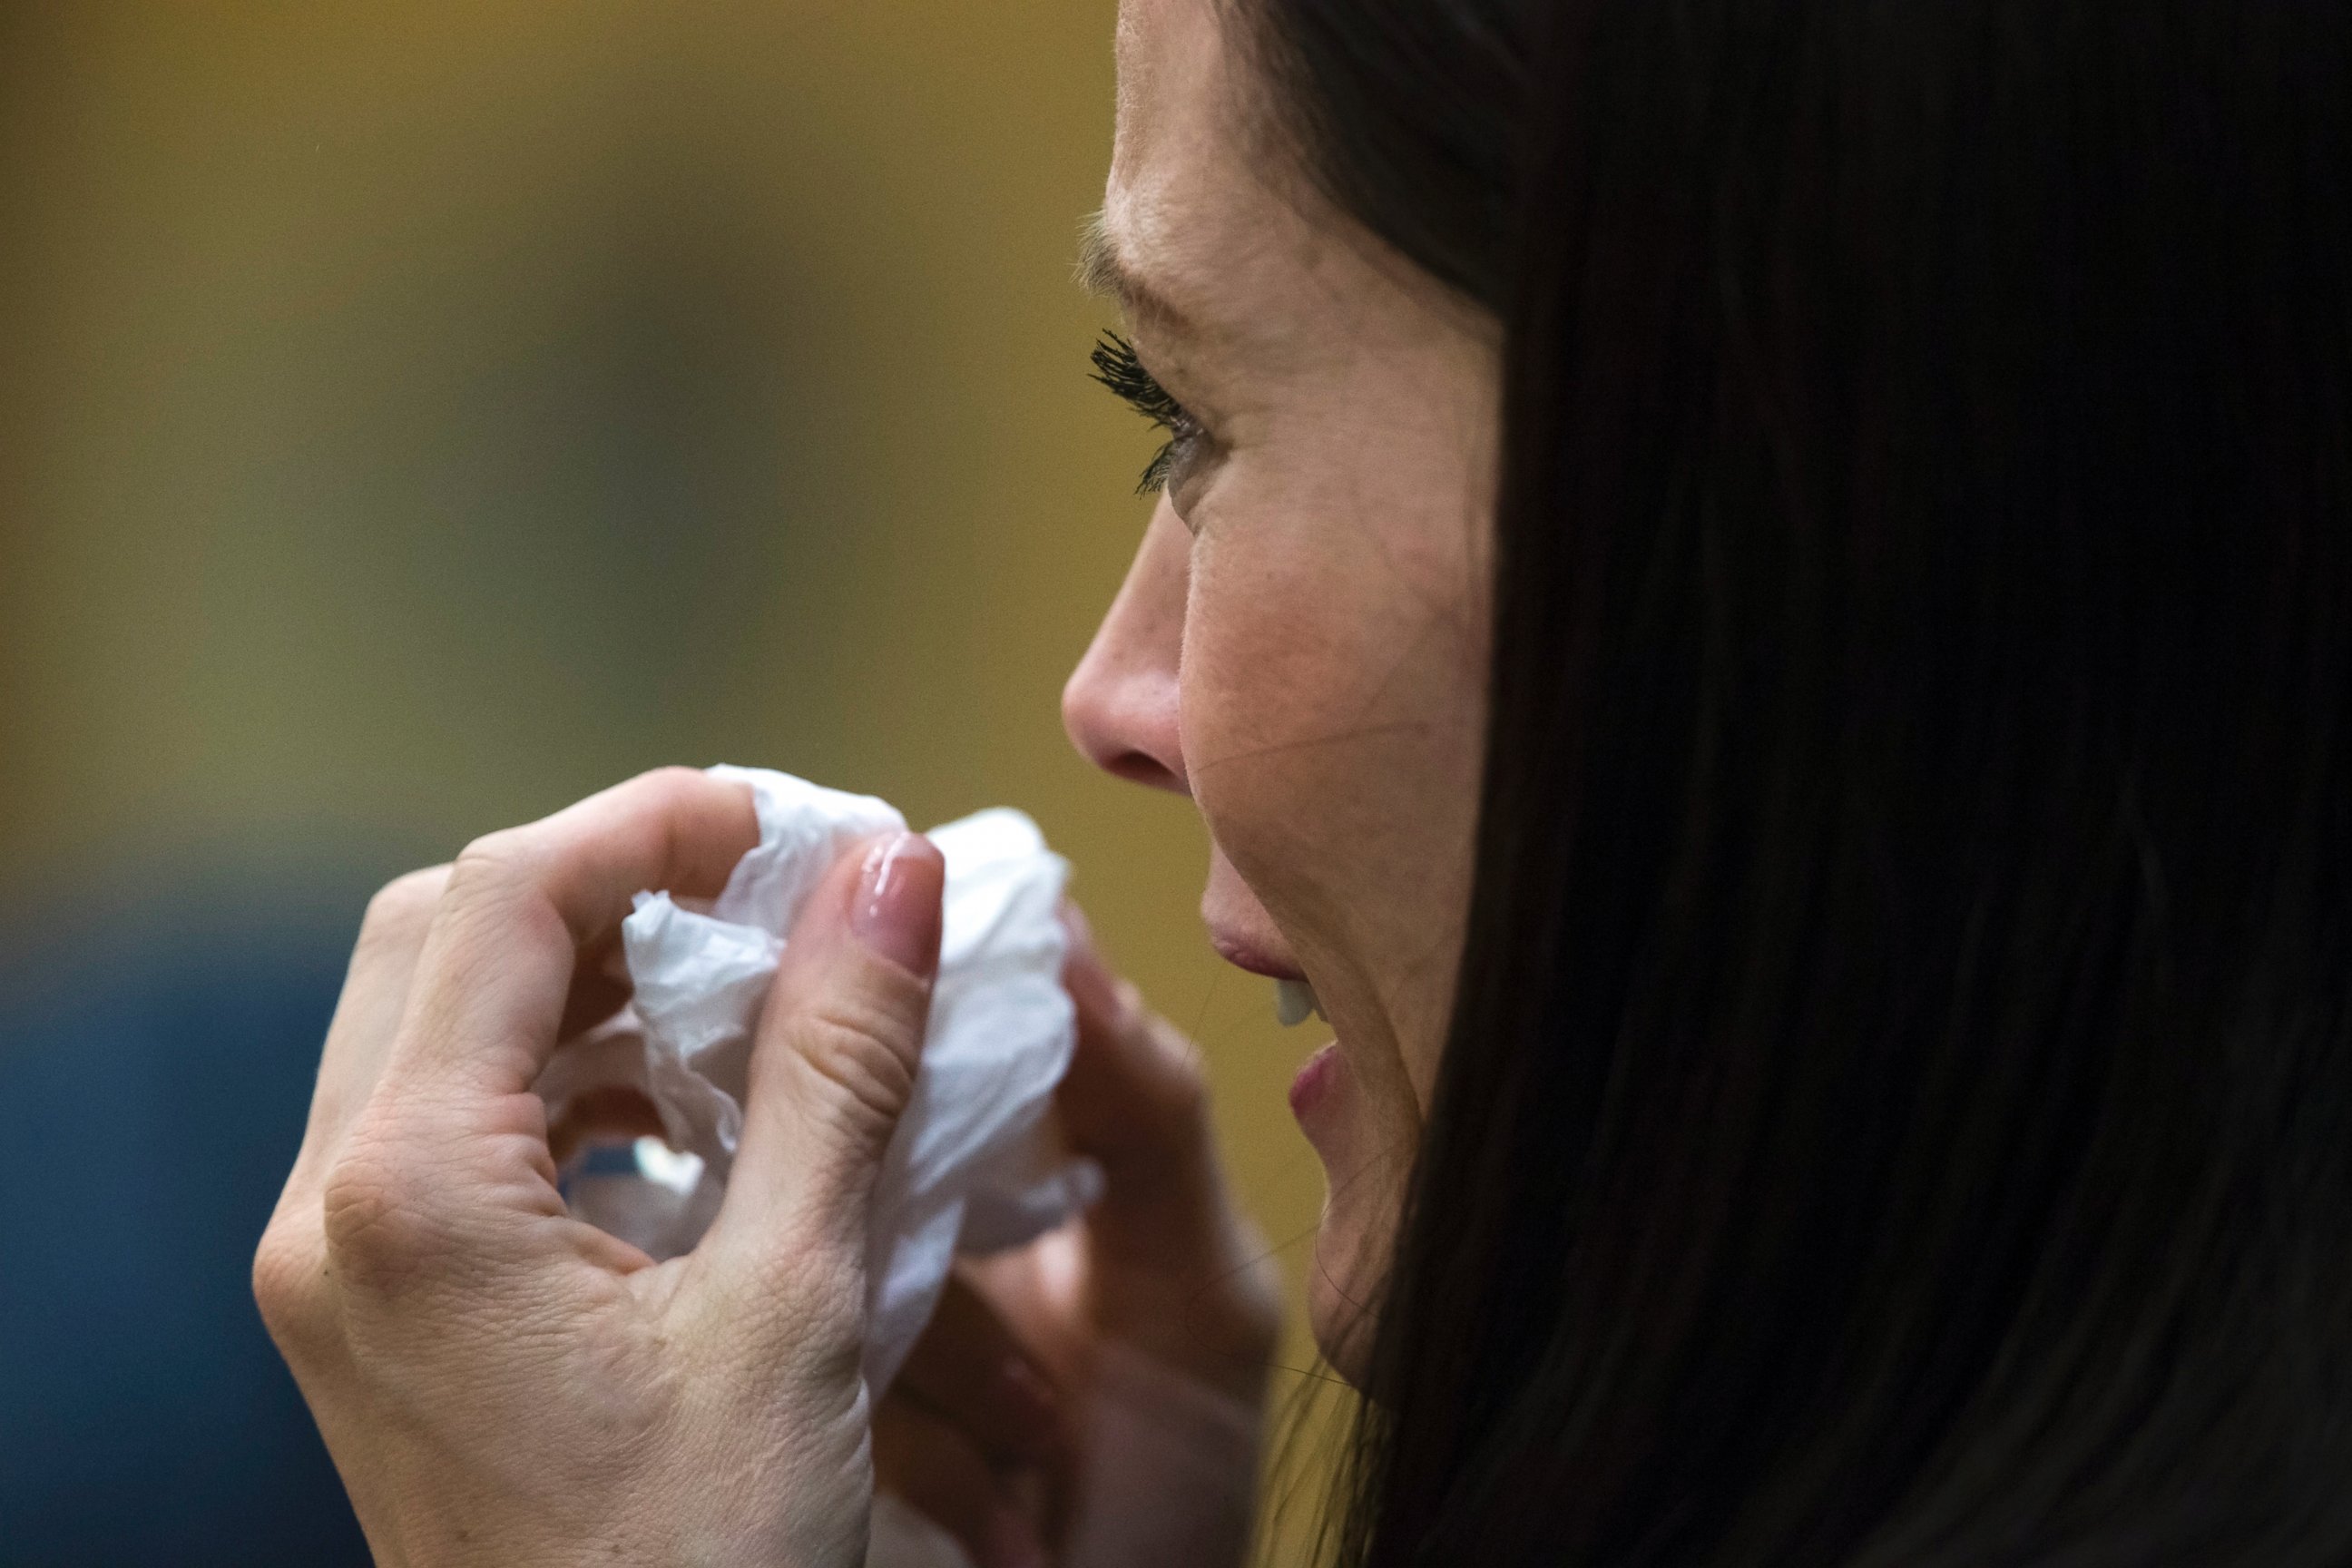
(1293, 1001)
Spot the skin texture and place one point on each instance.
(1301, 644)
(1300, 648)
(502, 1385)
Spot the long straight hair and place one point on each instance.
(1898, 1109)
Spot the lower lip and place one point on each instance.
(1313, 1084)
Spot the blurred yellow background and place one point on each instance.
(413, 417)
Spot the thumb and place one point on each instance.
(832, 1064)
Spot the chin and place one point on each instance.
(1339, 1298)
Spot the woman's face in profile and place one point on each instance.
(1301, 644)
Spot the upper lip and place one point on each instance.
(1243, 953)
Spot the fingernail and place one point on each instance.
(896, 909)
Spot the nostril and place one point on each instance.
(1127, 729)
(1139, 767)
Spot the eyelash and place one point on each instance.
(1118, 368)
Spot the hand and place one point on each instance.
(500, 1384)
(1096, 1399)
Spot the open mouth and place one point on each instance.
(1294, 1000)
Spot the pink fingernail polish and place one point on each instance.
(895, 908)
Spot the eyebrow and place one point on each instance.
(1102, 271)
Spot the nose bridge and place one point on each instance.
(1121, 706)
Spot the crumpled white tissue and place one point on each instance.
(976, 1163)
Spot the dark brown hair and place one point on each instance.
(1899, 1104)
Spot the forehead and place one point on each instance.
(1210, 220)
(1185, 198)
(1170, 56)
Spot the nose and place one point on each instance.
(1120, 705)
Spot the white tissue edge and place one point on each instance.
(975, 1165)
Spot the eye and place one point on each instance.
(1118, 368)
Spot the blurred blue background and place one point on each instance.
(153, 1086)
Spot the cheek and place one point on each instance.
(1269, 662)
(1281, 694)
(1332, 708)
(1337, 605)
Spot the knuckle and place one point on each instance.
(290, 1283)
(403, 908)
(491, 878)
(670, 780)
(667, 795)
(382, 1229)
(655, 799)
(864, 1050)
(489, 863)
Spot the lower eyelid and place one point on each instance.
(1186, 457)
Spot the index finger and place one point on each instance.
(498, 965)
